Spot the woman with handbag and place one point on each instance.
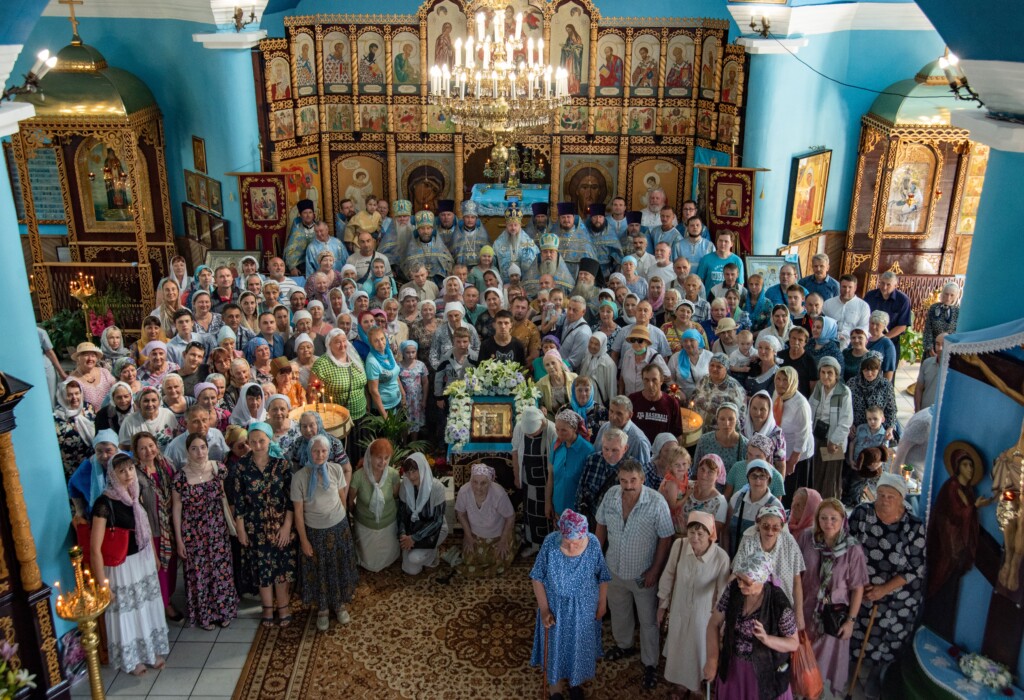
(833, 584)
(155, 475)
(832, 413)
(751, 635)
(121, 551)
(421, 523)
(201, 530)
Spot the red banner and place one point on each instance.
(264, 211)
(730, 204)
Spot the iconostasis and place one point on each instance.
(346, 113)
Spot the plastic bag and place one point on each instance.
(806, 679)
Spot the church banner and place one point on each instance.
(264, 210)
(730, 204)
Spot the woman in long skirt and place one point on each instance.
(328, 565)
(570, 581)
(136, 628)
(373, 500)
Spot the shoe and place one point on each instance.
(284, 615)
(343, 616)
(650, 677)
(267, 620)
(556, 696)
(576, 693)
(616, 653)
(323, 621)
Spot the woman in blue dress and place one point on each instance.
(570, 580)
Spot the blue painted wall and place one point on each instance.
(790, 108)
(35, 443)
(202, 92)
(997, 239)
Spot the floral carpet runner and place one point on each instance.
(413, 638)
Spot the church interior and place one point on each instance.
(888, 135)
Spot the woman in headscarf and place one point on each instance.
(157, 365)
(568, 454)
(202, 279)
(870, 388)
(415, 378)
(205, 320)
(311, 425)
(607, 315)
(249, 304)
(715, 389)
(695, 577)
(570, 582)
(547, 343)
(382, 383)
(361, 344)
(112, 344)
(833, 589)
(343, 381)
(120, 404)
(318, 322)
(761, 376)
(582, 401)
(725, 440)
(423, 328)
(750, 656)
(941, 317)
(319, 492)
(170, 302)
(832, 416)
(747, 502)
(761, 421)
(690, 365)
(758, 447)
(792, 413)
(780, 325)
(152, 330)
(681, 321)
(373, 500)
(150, 416)
(532, 441)
(74, 421)
(125, 371)
(238, 376)
(302, 365)
(260, 492)
(771, 537)
(488, 525)
(202, 536)
(286, 431)
(656, 297)
(704, 496)
(251, 406)
(442, 342)
(94, 380)
(136, 628)
(422, 526)
(257, 354)
(600, 369)
(825, 333)
(155, 473)
(801, 514)
(555, 385)
(285, 381)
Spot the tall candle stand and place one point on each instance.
(82, 606)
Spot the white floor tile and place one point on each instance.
(217, 681)
(198, 634)
(175, 682)
(189, 654)
(127, 684)
(227, 655)
(239, 633)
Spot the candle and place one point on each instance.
(41, 58)
(540, 50)
(487, 55)
(499, 26)
(478, 79)
(470, 54)
(494, 83)
(529, 51)
(481, 26)
(519, 25)
(458, 52)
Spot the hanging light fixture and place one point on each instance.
(487, 91)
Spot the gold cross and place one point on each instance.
(71, 6)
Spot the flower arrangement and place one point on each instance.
(985, 671)
(12, 681)
(489, 378)
(99, 323)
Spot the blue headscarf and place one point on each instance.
(301, 445)
(275, 449)
(250, 348)
(829, 330)
(581, 410)
(684, 359)
(317, 470)
(98, 477)
(408, 344)
(386, 360)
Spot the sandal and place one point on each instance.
(617, 652)
(173, 615)
(284, 620)
(224, 624)
(323, 621)
(268, 621)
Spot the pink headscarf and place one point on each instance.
(807, 517)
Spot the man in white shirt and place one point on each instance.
(848, 310)
(275, 272)
(575, 333)
(364, 256)
(662, 266)
(652, 214)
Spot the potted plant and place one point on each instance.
(66, 329)
(911, 346)
(395, 428)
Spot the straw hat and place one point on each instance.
(86, 347)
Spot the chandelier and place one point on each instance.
(487, 91)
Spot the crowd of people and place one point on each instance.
(753, 535)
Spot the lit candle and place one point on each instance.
(529, 51)
(478, 79)
(511, 86)
(519, 25)
(481, 26)
(540, 50)
(494, 83)
(41, 58)
(458, 52)
(499, 26)
(470, 53)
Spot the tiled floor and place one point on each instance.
(905, 376)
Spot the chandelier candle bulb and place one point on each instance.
(470, 55)
(458, 51)
(41, 58)
(529, 51)
(481, 27)
(519, 26)
(487, 54)
(499, 27)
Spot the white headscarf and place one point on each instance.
(327, 341)
(769, 423)
(377, 498)
(590, 360)
(84, 426)
(241, 415)
(418, 500)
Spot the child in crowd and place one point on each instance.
(739, 359)
(869, 434)
(860, 482)
(415, 380)
(676, 484)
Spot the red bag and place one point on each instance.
(806, 679)
(115, 543)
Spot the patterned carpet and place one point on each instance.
(416, 639)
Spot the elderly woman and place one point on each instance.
(251, 406)
(94, 381)
(382, 381)
(719, 311)
(555, 386)
(703, 496)
(801, 514)
(748, 501)
(569, 452)
(302, 365)
(257, 354)
(442, 342)
(879, 342)
(311, 425)
(422, 330)
(173, 395)
(157, 365)
(869, 389)
(759, 447)
(151, 330)
(792, 413)
(373, 500)
(202, 536)
(286, 430)
(632, 364)
(725, 440)
(896, 539)
(239, 375)
(763, 368)
(532, 441)
(75, 425)
(695, 577)
(941, 316)
(205, 320)
(260, 492)
(607, 322)
(151, 417)
(125, 371)
(136, 629)
(832, 416)
(582, 401)
(690, 364)
(761, 421)
(570, 581)
(760, 633)
(118, 407)
(682, 321)
(599, 367)
(772, 538)
(488, 525)
(342, 377)
(422, 526)
(716, 389)
(319, 492)
(855, 353)
(797, 357)
(286, 382)
(833, 588)
(825, 340)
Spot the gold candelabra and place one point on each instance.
(508, 165)
(82, 606)
(83, 288)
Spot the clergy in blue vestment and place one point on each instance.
(514, 246)
(428, 249)
(469, 237)
(574, 239)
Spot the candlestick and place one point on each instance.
(458, 52)
(519, 25)
(82, 606)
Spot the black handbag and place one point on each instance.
(820, 431)
(833, 617)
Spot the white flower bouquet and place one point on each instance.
(985, 671)
(489, 378)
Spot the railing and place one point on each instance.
(123, 276)
(922, 290)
